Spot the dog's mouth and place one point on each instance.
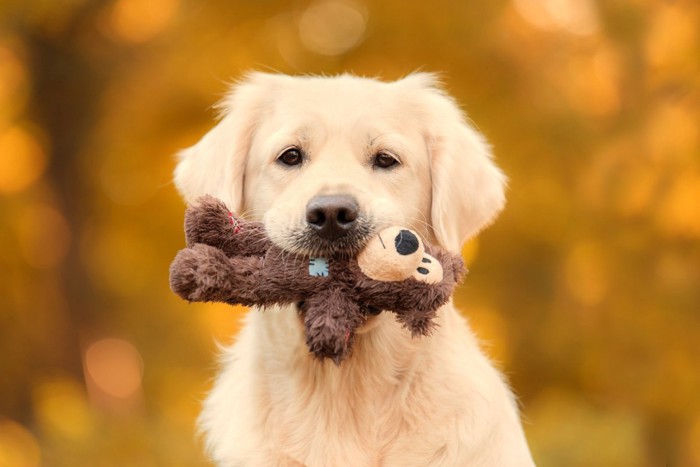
(305, 241)
(308, 243)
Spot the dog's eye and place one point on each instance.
(291, 157)
(384, 161)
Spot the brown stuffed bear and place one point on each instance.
(233, 261)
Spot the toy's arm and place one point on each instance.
(204, 273)
(210, 222)
(414, 302)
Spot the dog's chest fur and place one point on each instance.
(383, 406)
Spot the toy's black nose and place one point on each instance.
(332, 216)
(406, 242)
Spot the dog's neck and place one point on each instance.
(384, 380)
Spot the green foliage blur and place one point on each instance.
(586, 292)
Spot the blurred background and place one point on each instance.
(586, 292)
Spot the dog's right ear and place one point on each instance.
(216, 164)
(467, 186)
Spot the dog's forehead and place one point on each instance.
(363, 120)
(346, 98)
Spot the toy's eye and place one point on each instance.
(291, 157)
(384, 161)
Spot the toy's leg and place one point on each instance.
(331, 319)
(419, 322)
(415, 303)
(205, 274)
(210, 222)
(408, 294)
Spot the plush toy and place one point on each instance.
(231, 260)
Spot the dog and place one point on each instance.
(325, 162)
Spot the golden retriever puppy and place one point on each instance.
(325, 163)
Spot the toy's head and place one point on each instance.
(396, 254)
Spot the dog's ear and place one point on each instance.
(467, 187)
(216, 164)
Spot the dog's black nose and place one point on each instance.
(332, 216)
(406, 242)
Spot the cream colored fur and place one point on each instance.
(397, 401)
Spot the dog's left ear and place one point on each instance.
(467, 186)
(216, 164)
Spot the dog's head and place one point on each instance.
(328, 162)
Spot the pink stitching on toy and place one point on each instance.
(234, 222)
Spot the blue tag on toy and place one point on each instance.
(318, 267)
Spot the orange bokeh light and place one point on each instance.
(115, 366)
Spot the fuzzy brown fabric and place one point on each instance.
(233, 261)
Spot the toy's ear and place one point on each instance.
(216, 164)
(467, 187)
